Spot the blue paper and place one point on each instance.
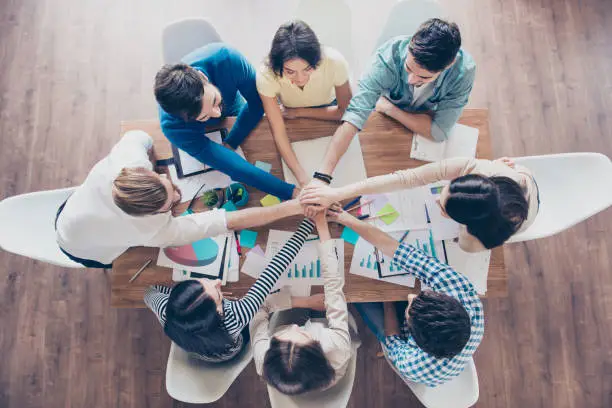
(248, 238)
(263, 165)
(229, 206)
(349, 236)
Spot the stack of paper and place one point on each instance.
(461, 142)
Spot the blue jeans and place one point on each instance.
(373, 316)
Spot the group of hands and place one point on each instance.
(320, 201)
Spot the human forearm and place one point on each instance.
(380, 239)
(326, 113)
(417, 122)
(256, 216)
(338, 146)
(391, 323)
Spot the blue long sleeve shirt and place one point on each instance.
(228, 70)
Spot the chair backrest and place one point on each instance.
(334, 397)
(406, 16)
(573, 187)
(196, 382)
(331, 21)
(459, 392)
(181, 37)
(28, 226)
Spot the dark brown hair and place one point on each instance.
(179, 89)
(193, 322)
(492, 208)
(435, 44)
(296, 368)
(439, 324)
(294, 39)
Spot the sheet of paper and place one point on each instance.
(233, 265)
(473, 265)
(310, 154)
(306, 267)
(203, 256)
(443, 227)
(410, 204)
(364, 264)
(461, 142)
(263, 165)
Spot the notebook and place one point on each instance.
(461, 142)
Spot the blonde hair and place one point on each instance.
(138, 191)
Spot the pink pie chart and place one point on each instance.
(199, 253)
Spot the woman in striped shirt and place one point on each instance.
(197, 317)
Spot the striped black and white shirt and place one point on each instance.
(238, 314)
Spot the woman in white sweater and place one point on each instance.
(294, 358)
(492, 200)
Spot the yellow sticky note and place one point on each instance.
(391, 212)
(269, 200)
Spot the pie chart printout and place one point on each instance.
(199, 253)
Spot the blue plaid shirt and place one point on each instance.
(412, 363)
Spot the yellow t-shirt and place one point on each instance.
(320, 89)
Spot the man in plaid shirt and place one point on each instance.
(442, 327)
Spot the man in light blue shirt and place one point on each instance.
(422, 81)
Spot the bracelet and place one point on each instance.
(323, 177)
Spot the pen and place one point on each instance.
(360, 205)
(238, 247)
(312, 239)
(352, 202)
(142, 268)
(404, 236)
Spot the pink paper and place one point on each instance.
(380, 200)
(257, 249)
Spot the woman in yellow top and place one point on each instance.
(301, 79)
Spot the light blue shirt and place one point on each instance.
(387, 76)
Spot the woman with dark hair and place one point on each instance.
(307, 79)
(294, 358)
(199, 319)
(492, 200)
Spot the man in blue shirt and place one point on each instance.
(423, 81)
(214, 81)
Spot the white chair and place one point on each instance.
(331, 21)
(573, 187)
(196, 382)
(459, 392)
(181, 37)
(334, 397)
(406, 16)
(28, 226)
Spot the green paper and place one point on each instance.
(388, 219)
(269, 200)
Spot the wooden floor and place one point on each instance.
(70, 70)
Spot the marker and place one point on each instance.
(238, 247)
(352, 202)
